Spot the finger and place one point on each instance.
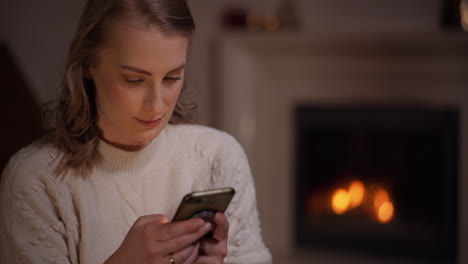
(184, 255)
(177, 243)
(222, 227)
(171, 230)
(193, 257)
(212, 247)
(147, 219)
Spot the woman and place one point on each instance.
(102, 186)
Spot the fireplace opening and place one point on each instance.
(377, 180)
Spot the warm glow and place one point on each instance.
(310, 204)
(385, 212)
(356, 193)
(380, 197)
(340, 201)
(371, 199)
(384, 209)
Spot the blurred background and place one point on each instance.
(353, 114)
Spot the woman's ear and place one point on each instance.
(89, 69)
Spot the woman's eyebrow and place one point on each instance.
(135, 69)
(138, 70)
(177, 69)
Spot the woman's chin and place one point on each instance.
(135, 141)
(147, 137)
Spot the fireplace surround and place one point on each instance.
(264, 77)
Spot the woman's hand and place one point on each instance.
(153, 240)
(214, 250)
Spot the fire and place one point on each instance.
(340, 201)
(356, 192)
(383, 206)
(357, 195)
(380, 196)
(385, 213)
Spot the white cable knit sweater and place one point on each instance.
(45, 219)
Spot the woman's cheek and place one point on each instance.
(122, 96)
(175, 93)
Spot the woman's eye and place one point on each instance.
(173, 78)
(133, 81)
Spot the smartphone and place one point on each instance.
(204, 204)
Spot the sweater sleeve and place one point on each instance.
(245, 244)
(31, 228)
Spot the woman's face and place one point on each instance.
(138, 76)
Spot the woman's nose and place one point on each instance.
(154, 99)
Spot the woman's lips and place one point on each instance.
(151, 123)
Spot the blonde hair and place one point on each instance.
(74, 130)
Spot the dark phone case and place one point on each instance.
(216, 200)
(204, 204)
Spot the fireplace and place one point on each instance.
(417, 83)
(379, 180)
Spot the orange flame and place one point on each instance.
(357, 195)
(380, 196)
(340, 201)
(383, 207)
(356, 192)
(385, 213)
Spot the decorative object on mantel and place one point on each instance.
(254, 22)
(239, 18)
(258, 22)
(464, 14)
(234, 17)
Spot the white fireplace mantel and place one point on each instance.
(263, 76)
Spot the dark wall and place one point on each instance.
(19, 114)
